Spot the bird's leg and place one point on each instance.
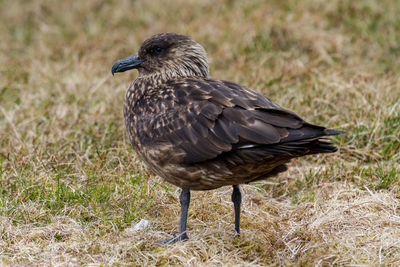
(184, 199)
(237, 200)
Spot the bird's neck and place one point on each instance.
(161, 77)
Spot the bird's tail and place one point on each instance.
(323, 145)
(309, 146)
(328, 132)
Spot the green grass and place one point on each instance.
(71, 186)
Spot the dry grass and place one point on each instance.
(71, 187)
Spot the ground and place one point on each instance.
(72, 189)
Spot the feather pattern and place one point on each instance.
(205, 120)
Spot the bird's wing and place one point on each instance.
(212, 117)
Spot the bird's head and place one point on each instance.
(169, 54)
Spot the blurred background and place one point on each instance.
(65, 164)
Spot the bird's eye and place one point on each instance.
(156, 50)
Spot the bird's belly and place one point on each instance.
(211, 174)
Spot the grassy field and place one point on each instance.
(71, 187)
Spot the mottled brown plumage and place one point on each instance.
(199, 133)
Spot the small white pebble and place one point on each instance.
(140, 226)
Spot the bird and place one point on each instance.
(199, 133)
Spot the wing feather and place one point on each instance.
(209, 117)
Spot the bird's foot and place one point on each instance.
(174, 239)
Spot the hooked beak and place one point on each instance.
(125, 64)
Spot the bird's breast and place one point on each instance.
(145, 100)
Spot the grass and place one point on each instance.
(71, 187)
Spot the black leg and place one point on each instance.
(237, 200)
(184, 199)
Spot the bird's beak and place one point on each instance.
(125, 64)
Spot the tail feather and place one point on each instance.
(328, 132)
(311, 141)
(322, 146)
